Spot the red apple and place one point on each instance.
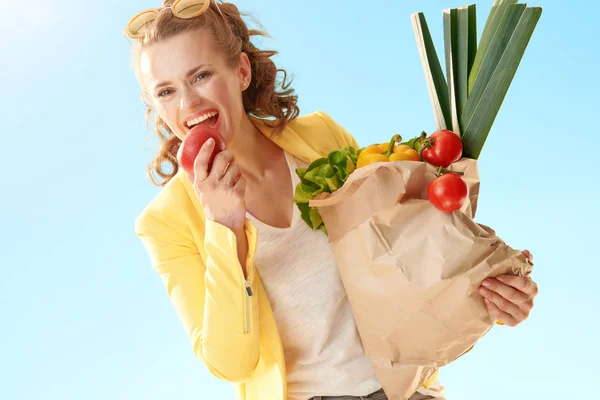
(196, 137)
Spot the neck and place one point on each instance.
(254, 153)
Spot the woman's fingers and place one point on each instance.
(498, 314)
(220, 165)
(231, 175)
(201, 171)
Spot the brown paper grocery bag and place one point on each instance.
(412, 272)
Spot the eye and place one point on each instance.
(201, 76)
(164, 92)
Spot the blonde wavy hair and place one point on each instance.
(267, 98)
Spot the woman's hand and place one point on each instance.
(510, 298)
(222, 190)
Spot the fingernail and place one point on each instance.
(486, 284)
(483, 291)
(210, 141)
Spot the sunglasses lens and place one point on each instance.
(190, 8)
(141, 22)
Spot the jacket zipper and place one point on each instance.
(248, 293)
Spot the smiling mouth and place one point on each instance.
(208, 119)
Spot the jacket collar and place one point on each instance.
(289, 140)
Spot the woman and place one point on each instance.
(256, 290)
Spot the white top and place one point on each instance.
(323, 352)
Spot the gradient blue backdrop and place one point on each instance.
(83, 316)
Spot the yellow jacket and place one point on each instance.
(232, 332)
(229, 321)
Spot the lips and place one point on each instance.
(207, 117)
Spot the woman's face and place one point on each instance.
(190, 82)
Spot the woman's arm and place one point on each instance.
(213, 300)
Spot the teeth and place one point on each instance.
(201, 119)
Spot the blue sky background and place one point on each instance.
(83, 316)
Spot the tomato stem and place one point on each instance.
(395, 139)
(441, 171)
(422, 142)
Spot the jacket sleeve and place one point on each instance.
(217, 306)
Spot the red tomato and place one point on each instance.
(448, 192)
(447, 148)
(193, 142)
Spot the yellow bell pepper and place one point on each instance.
(404, 153)
(387, 152)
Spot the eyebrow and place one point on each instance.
(187, 75)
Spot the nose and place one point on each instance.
(190, 99)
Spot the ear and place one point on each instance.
(244, 71)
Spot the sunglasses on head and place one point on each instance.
(139, 24)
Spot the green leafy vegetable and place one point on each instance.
(434, 76)
(324, 175)
(478, 76)
(483, 107)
